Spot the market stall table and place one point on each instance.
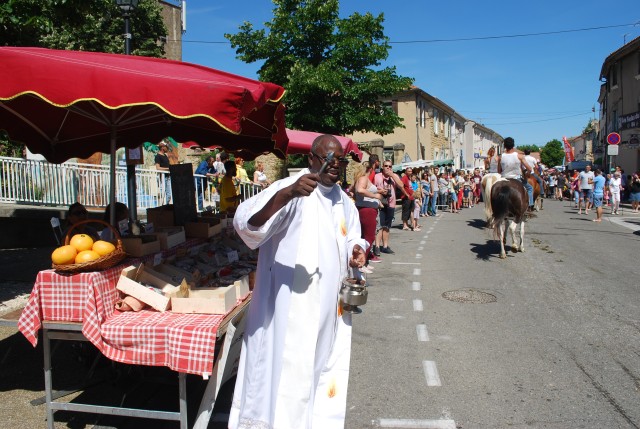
(81, 306)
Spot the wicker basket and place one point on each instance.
(102, 263)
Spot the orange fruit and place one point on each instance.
(86, 256)
(81, 242)
(103, 248)
(64, 255)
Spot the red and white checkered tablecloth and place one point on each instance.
(84, 297)
(182, 342)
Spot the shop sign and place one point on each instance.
(631, 120)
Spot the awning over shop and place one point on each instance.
(421, 163)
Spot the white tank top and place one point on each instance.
(510, 165)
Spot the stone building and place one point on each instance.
(433, 131)
(620, 104)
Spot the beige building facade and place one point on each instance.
(620, 106)
(433, 131)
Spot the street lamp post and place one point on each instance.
(127, 6)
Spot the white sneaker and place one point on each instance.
(365, 270)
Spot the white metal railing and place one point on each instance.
(42, 183)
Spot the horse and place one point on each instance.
(537, 201)
(507, 209)
(487, 181)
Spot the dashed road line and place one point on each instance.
(417, 305)
(418, 256)
(431, 373)
(423, 335)
(421, 248)
(416, 286)
(414, 423)
(417, 271)
(423, 242)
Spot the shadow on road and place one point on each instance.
(490, 249)
(477, 223)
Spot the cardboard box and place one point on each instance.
(219, 300)
(242, 287)
(202, 229)
(170, 236)
(141, 245)
(161, 216)
(131, 280)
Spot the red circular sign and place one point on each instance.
(613, 138)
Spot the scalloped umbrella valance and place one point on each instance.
(65, 104)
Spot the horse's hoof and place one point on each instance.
(515, 249)
(503, 256)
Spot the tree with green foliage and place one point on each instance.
(83, 25)
(552, 153)
(331, 67)
(530, 147)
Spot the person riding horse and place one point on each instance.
(511, 165)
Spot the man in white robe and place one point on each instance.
(294, 364)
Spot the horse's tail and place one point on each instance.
(500, 208)
(487, 183)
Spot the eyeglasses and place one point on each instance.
(341, 160)
(387, 166)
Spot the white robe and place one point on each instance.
(333, 228)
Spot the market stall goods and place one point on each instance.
(89, 255)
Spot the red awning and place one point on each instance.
(300, 142)
(65, 104)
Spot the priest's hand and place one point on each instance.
(304, 186)
(358, 258)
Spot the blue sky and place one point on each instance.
(533, 88)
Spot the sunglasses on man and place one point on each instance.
(341, 160)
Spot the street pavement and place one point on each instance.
(451, 336)
(544, 339)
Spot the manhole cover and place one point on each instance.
(472, 296)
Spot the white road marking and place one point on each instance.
(418, 256)
(431, 373)
(396, 299)
(405, 263)
(421, 248)
(395, 317)
(417, 271)
(423, 242)
(416, 286)
(417, 305)
(414, 424)
(423, 335)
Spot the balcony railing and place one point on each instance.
(42, 183)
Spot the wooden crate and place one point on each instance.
(170, 236)
(219, 300)
(202, 229)
(141, 245)
(130, 283)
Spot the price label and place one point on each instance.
(157, 259)
(148, 227)
(123, 226)
(232, 256)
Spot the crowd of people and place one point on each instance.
(579, 187)
(376, 188)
